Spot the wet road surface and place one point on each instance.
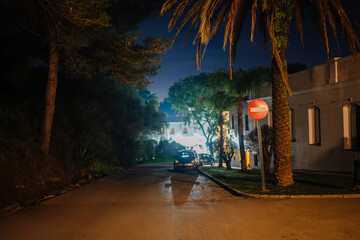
(154, 202)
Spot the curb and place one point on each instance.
(17, 206)
(268, 196)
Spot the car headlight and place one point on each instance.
(193, 161)
(176, 161)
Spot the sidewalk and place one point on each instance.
(227, 182)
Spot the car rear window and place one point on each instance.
(185, 155)
(205, 156)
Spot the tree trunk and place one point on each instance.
(282, 141)
(49, 98)
(241, 134)
(221, 142)
(267, 158)
(227, 158)
(211, 149)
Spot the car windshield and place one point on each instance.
(185, 155)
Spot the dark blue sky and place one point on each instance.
(180, 61)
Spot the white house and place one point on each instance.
(188, 135)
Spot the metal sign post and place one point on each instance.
(258, 109)
(261, 156)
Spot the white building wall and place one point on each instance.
(330, 155)
(329, 87)
(194, 137)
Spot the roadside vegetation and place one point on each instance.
(305, 183)
(100, 115)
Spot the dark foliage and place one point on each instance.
(100, 123)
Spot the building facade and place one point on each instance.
(188, 135)
(324, 116)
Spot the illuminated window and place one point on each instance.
(247, 122)
(161, 131)
(314, 126)
(172, 131)
(184, 130)
(351, 121)
(292, 124)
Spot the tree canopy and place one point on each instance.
(101, 124)
(186, 96)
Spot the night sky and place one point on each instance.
(180, 61)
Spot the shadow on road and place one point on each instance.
(181, 183)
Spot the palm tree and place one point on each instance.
(275, 17)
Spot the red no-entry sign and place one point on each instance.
(258, 109)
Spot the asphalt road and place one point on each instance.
(153, 202)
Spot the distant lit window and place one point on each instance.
(172, 131)
(351, 121)
(247, 122)
(161, 131)
(184, 130)
(314, 126)
(292, 124)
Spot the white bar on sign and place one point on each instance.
(258, 109)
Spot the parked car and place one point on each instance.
(206, 159)
(186, 159)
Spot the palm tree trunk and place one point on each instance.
(49, 98)
(221, 142)
(282, 141)
(241, 134)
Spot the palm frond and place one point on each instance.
(230, 22)
(220, 17)
(206, 16)
(262, 28)
(198, 58)
(298, 18)
(177, 13)
(169, 5)
(239, 25)
(206, 13)
(323, 22)
(253, 19)
(347, 28)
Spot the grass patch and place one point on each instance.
(157, 160)
(304, 183)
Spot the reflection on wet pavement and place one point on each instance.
(189, 186)
(181, 186)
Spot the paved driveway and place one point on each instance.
(153, 202)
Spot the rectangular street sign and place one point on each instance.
(258, 109)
